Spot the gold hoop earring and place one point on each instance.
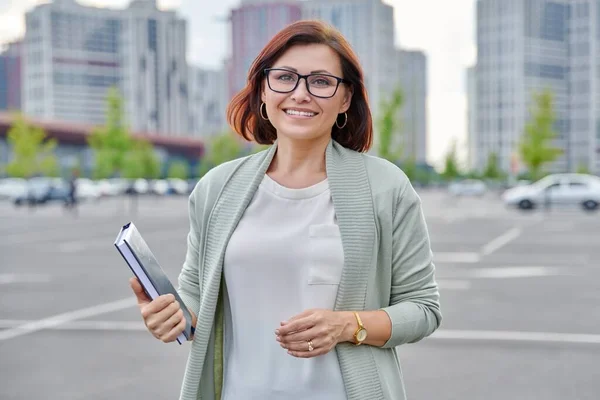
(265, 112)
(345, 122)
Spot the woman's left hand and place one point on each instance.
(322, 329)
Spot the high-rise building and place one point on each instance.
(369, 27)
(253, 24)
(472, 117)
(154, 46)
(10, 77)
(526, 46)
(208, 102)
(73, 54)
(413, 82)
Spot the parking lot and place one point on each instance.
(520, 298)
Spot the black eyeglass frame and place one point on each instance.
(305, 77)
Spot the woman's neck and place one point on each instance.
(298, 164)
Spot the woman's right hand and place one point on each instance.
(163, 316)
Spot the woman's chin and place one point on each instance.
(299, 133)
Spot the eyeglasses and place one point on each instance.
(319, 85)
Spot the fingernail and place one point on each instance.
(277, 332)
(283, 345)
(278, 338)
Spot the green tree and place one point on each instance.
(33, 154)
(221, 148)
(141, 161)
(451, 170)
(178, 169)
(410, 168)
(112, 142)
(390, 129)
(536, 148)
(582, 168)
(492, 169)
(424, 175)
(473, 174)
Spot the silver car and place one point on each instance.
(556, 190)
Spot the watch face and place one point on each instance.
(361, 335)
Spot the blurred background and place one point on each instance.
(111, 110)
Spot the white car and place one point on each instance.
(467, 187)
(11, 188)
(556, 190)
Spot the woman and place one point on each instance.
(307, 263)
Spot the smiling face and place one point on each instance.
(299, 115)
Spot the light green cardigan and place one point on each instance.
(388, 265)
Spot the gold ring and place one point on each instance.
(310, 345)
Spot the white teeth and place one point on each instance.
(303, 113)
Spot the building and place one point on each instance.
(73, 54)
(253, 24)
(472, 117)
(413, 82)
(208, 102)
(369, 27)
(10, 77)
(525, 47)
(155, 81)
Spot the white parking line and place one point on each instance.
(517, 272)
(454, 284)
(456, 257)
(500, 241)
(441, 334)
(517, 336)
(61, 319)
(6, 279)
(82, 325)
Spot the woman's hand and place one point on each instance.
(163, 316)
(322, 328)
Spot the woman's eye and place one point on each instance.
(286, 78)
(320, 81)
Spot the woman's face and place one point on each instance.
(300, 115)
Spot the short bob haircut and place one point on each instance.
(243, 112)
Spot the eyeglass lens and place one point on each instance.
(286, 81)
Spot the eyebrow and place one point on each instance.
(319, 71)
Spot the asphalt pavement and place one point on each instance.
(520, 298)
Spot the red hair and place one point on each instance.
(243, 112)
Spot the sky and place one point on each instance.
(444, 30)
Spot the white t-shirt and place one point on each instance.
(284, 257)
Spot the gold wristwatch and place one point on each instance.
(361, 333)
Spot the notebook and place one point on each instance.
(146, 268)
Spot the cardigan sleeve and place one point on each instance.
(414, 308)
(189, 283)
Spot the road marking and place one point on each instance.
(457, 258)
(70, 316)
(516, 272)
(82, 325)
(517, 336)
(81, 245)
(441, 334)
(6, 279)
(501, 241)
(454, 284)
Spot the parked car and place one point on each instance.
(87, 189)
(159, 187)
(467, 187)
(581, 190)
(178, 186)
(11, 188)
(43, 190)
